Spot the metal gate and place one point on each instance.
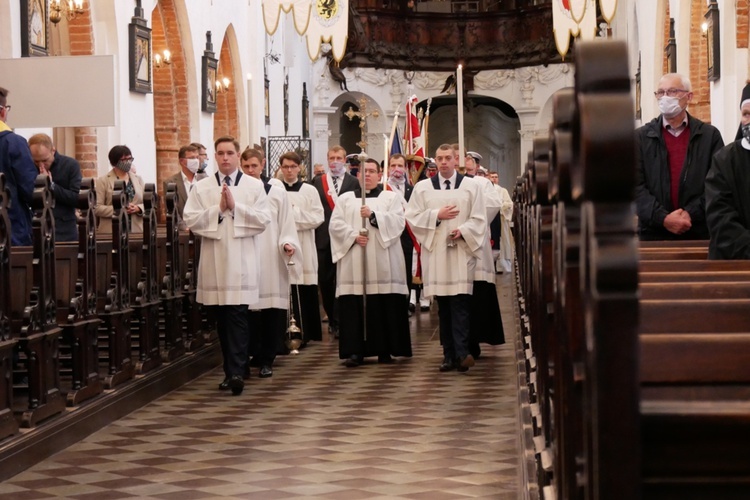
(277, 146)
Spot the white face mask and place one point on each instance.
(669, 106)
(337, 168)
(193, 164)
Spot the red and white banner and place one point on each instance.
(413, 141)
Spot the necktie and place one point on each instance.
(335, 183)
(447, 183)
(228, 180)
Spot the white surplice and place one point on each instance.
(448, 270)
(274, 271)
(506, 216)
(308, 215)
(386, 270)
(493, 202)
(228, 268)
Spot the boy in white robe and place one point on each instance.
(447, 215)
(486, 321)
(384, 309)
(227, 210)
(267, 317)
(308, 215)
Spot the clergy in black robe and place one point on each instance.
(385, 308)
(728, 197)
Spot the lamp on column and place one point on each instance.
(711, 32)
(70, 9)
(671, 49)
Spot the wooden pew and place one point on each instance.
(667, 370)
(39, 336)
(144, 288)
(76, 295)
(169, 270)
(113, 296)
(8, 424)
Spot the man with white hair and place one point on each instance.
(673, 156)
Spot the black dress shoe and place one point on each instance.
(265, 371)
(353, 361)
(447, 365)
(236, 384)
(385, 358)
(224, 385)
(465, 362)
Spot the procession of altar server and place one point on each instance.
(264, 257)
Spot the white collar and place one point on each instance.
(745, 144)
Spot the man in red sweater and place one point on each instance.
(673, 155)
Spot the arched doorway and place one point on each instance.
(226, 117)
(490, 128)
(349, 127)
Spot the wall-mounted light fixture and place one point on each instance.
(711, 32)
(164, 58)
(70, 9)
(222, 85)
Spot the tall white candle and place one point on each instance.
(460, 98)
(386, 155)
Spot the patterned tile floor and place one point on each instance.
(314, 430)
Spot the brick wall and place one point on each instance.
(742, 13)
(171, 122)
(701, 105)
(82, 44)
(226, 118)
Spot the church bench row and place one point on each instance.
(78, 318)
(624, 390)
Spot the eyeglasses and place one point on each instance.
(6, 107)
(669, 92)
(288, 167)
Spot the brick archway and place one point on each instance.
(226, 118)
(171, 106)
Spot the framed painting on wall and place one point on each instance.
(34, 28)
(139, 40)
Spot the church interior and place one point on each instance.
(624, 369)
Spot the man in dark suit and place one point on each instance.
(330, 186)
(66, 183)
(185, 178)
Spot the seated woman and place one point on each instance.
(728, 194)
(121, 160)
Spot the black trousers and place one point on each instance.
(327, 285)
(266, 330)
(232, 328)
(454, 315)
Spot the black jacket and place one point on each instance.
(652, 191)
(66, 176)
(348, 183)
(728, 203)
